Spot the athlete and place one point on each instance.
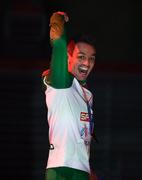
(69, 103)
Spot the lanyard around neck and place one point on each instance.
(91, 122)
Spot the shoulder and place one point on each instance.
(45, 80)
(45, 73)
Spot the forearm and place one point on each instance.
(59, 76)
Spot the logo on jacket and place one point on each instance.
(84, 117)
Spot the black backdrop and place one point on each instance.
(116, 84)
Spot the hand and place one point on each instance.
(66, 18)
(57, 22)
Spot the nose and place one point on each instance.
(86, 62)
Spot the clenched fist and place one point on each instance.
(57, 22)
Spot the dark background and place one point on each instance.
(116, 84)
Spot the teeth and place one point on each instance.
(84, 68)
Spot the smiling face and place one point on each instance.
(81, 61)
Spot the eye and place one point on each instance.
(92, 58)
(81, 57)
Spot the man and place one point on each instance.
(69, 103)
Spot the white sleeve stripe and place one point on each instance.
(44, 81)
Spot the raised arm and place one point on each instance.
(59, 77)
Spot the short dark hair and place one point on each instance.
(85, 38)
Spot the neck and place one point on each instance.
(83, 82)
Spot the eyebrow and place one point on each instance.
(85, 54)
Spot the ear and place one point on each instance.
(69, 57)
(69, 54)
(71, 46)
(69, 61)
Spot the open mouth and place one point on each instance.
(83, 70)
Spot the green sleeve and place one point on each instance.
(59, 76)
